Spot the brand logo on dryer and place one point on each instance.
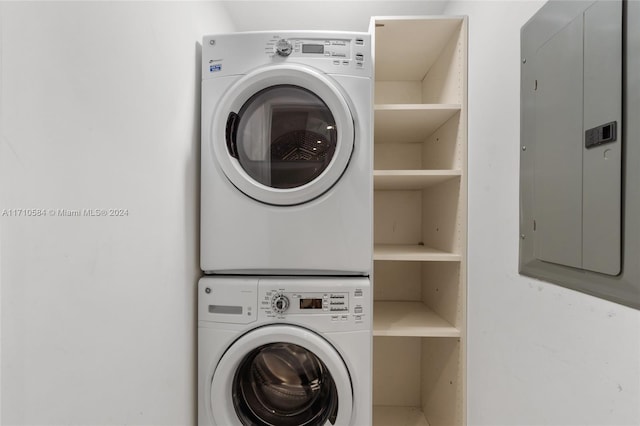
(215, 65)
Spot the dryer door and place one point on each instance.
(283, 135)
(281, 375)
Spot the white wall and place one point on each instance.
(99, 108)
(351, 15)
(538, 354)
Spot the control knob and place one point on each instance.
(279, 303)
(284, 47)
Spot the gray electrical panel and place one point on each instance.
(579, 206)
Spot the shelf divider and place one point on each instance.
(409, 319)
(411, 179)
(409, 123)
(410, 252)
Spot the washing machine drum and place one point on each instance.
(284, 384)
(281, 375)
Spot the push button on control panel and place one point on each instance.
(338, 302)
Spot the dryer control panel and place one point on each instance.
(331, 48)
(340, 51)
(332, 52)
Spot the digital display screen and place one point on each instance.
(312, 48)
(310, 303)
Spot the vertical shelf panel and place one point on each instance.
(442, 383)
(443, 225)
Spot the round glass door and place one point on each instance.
(280, 375)
(284, 384)
(286, 136)
(283, 135)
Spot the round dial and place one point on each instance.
(279, 303)
(284, 47)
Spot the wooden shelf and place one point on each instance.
(409, 319)
(398, 416)
(408, 252)
(410, 122)
(411, 179)
(410, 47)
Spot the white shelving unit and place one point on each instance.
(420, 216)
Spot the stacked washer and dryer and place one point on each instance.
(285, 307)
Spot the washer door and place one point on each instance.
(284, 376)
(283, 135)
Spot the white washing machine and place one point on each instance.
(287, 153)
(284, 351)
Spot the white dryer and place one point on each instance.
(284, 351)
(286, 167)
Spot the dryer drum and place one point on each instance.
(299, 156)
(302, 145)
(284, 384)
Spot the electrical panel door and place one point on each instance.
(580, 147)
(575, 142)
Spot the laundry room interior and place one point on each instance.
(102, 123)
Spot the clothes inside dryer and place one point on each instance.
(284, 384)
(286, 136)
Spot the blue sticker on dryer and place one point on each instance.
(215, 67)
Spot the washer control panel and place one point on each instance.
(322, 303)
(279, 301)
